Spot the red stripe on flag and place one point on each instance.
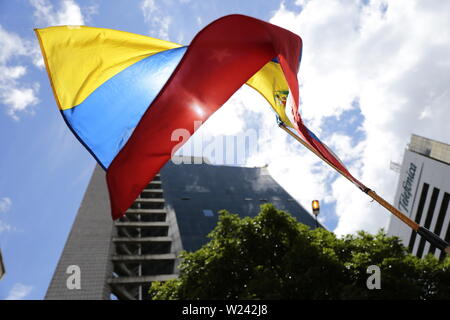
(314, 142)
(304, 134)
(220, 59)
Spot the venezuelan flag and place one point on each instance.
(104, 80)
(123, 94)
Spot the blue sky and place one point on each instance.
(44, 170)
(362, 92)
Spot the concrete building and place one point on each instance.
(423, 193)
(175, 212)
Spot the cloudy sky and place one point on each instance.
(372, 73)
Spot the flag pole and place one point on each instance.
(423, 232)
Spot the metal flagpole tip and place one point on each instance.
(279, 121)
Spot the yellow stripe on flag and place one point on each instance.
(270, 82)
(79, 59)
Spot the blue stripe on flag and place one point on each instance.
(105, 120)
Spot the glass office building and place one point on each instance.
(119, 259)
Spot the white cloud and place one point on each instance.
(16, 97)
(36, 56)
(19, 291)
(19, 99)
(89, 12)
(164, 24)
(343, 146)
(5, 204)
(5, 227)
(229, 120)
(68, 13)
(148, 8)
(158, 22)
(395, 58)
(299, 171)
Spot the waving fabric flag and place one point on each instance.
(124, 94)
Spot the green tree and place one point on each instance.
(272, 256)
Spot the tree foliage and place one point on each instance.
(272, 256)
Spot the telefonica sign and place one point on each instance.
(407, 185)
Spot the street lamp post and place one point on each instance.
(316, 210)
